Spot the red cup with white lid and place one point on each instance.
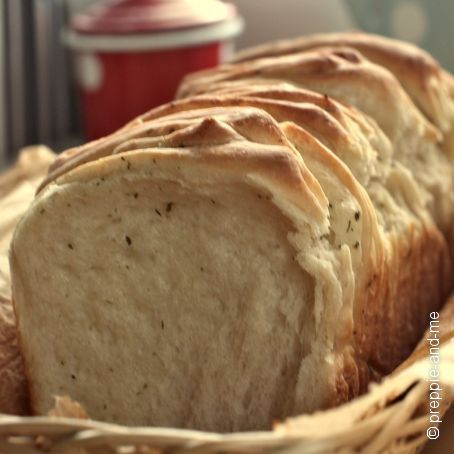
(130, 55)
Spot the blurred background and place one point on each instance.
(55, 93)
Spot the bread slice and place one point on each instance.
(156, 259)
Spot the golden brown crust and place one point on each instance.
(349, 134)
(196, 128)
(418, 275)
(259, 122)
(317, 113)
(421, 75)
(342, 72)
(415, 64)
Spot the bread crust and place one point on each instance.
(276, 163)
(420, 74)
(418, 274)
(336, 70)
(345, 131)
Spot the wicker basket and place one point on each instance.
(392, 418)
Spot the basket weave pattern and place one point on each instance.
(392, 417)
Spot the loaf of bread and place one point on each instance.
(265, 246)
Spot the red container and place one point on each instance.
(130, 55)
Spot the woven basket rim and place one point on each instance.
(390, 417)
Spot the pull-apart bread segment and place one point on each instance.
(200, 276)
